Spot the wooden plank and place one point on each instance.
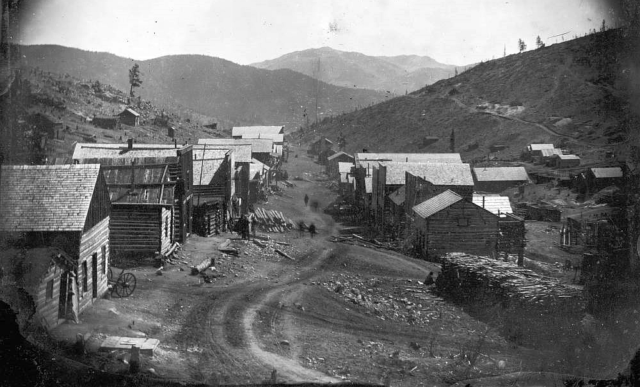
(146, 345)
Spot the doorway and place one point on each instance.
(94, 274)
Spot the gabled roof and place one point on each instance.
(533, 147)
(607, 173)
(501, 174)
(241, 152)
(436, 204)
(344, 167)
(341, 153)
(255, 130)
(568, 157)
(139, 184)
(550, 152)
(130, 111)
(258, 145)
(398, 195)
(435, 173)
(206, 162)
(408, 157)
(496, 204)
(46, 197)
(91, 153)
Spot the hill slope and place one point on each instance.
(396, 74)
(575, 92)
(211, 86)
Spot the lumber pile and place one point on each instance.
(272, 220)
(534, 306)
(171, 257)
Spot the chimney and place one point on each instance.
(130, 144)
(133, 174)
(482, 201)
(175, 142)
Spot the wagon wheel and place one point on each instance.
(126, 285)
(110, 275)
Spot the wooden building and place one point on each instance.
(498, 179)
(533, 150)
(596, 179)
(240, 171)
(40, 272)
(389, 176)
(346, 182)
(106, 122)
(565, 161)
(129, 117)
(319, 146)
(142, 199)
(448, 222)
(273, 133)
(260, 149)
(179, 160)
(333, 161)
(62, 206)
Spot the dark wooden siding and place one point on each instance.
(100, 206)
(91, 243)
(447, 231)
(139, 228)
(47, 310)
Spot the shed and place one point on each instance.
(130, 117)
(320, 145)
(64, 206)
(449, 223)
(498, 179)
(599, 178)
(171, 131)
(106, 122)
(566, 161)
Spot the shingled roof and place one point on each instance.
(256, 130)
(607, 173)
(206, 162)
(501, 174)
(408, 157)
(436, 204)
(499, 205)
(46, 197)
(258, 145)
(398, 195)
(333, 156)
(241, 152)
(435, 173)
(120, 154)
(275, 137)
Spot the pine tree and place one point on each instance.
(539, 42)
(134, 78)
(521, 45)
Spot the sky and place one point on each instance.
(248, 31)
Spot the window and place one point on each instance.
(85, 276)
(166, 227)
(104, 259)
(463, 222)
(49, 290)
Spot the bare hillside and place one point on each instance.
(575, 93)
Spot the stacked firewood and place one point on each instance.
(272, 220)
(171, 257)
(533, 306)
(355, 239)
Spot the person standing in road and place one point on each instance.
(306, 199)
(312, 229)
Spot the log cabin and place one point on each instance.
(179, 159)
(66, 207)
(142, 199)
(448, 222)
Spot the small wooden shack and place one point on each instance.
(130, 117)
(450, 223)
(106, 122)
(498, 179)
(333, 161)
(565, 161)
(62, 206)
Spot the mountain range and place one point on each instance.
(396, 74)
(581, 94)
(239, 95)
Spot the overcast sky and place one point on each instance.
(247, 31)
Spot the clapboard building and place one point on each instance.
(59, 217)
(498, 179)
(179, 160)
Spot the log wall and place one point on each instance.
(92, 242)
(140, 228)
(47, 310)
